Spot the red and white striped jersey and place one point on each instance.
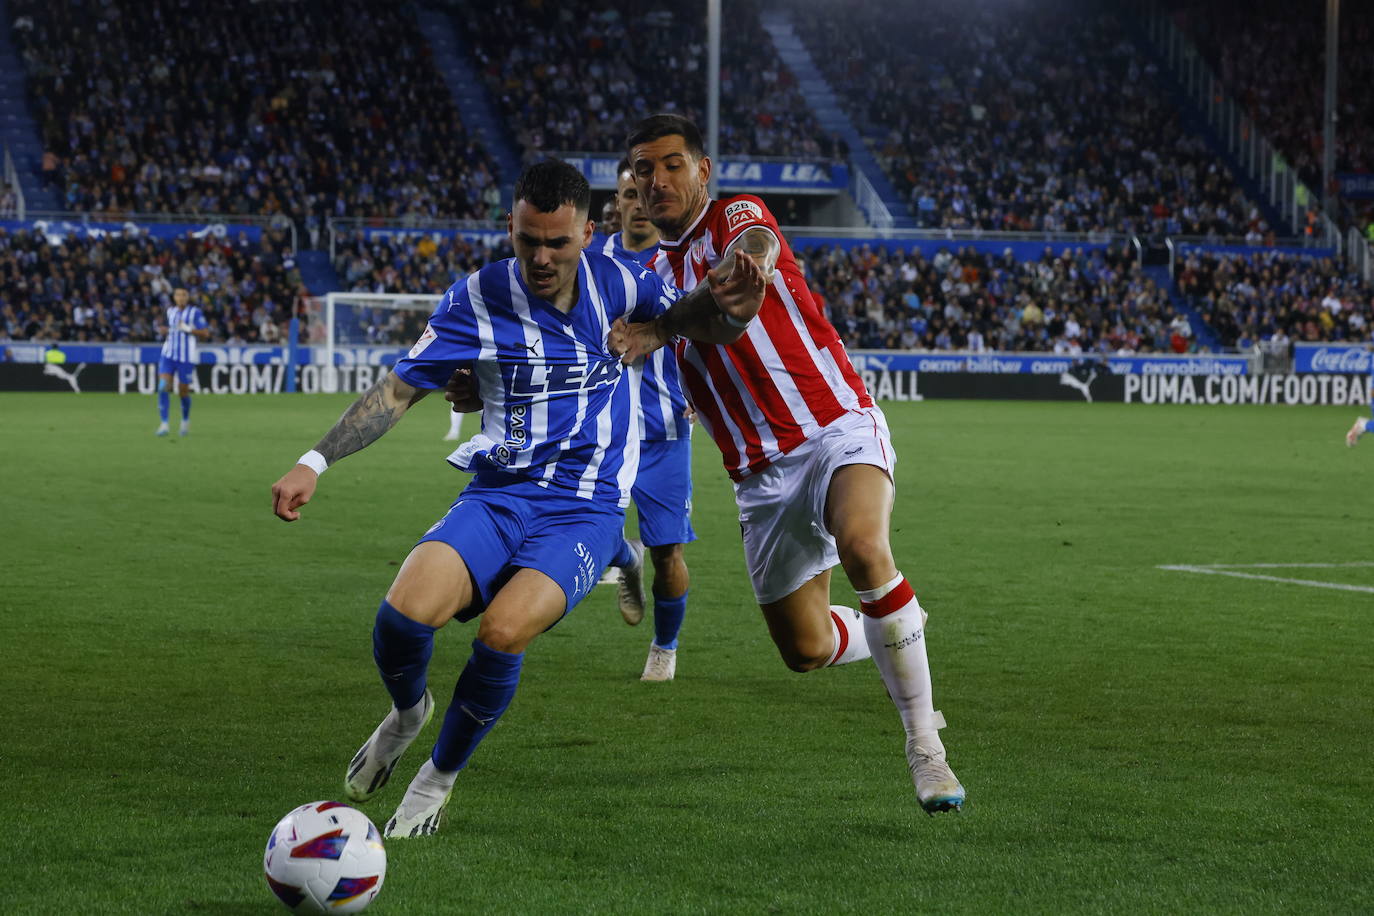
(787, 377)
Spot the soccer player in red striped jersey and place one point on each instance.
(806, 447)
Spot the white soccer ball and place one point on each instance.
(325, 857)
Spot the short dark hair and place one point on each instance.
(552, 183)
(622, 167)
(657, 126)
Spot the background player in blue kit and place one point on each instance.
(185, 323)
(663, 489)
(553, 466)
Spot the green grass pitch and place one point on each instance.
(180, 669)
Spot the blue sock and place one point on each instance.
(484, 691)
(668, 614)
(163, 402)
(1369, 426)
(624, 555)
(402, 648)
(186, 408)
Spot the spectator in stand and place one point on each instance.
(1274, 295)
(1093, 300)
(1039, 117)
(410, 263)
(163, 106)
(117, 287)
(565, 82)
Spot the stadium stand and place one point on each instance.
(577, 77)
(1085, 301)
(1040, 117)
(409, 262)
(1249, 298)
(117, 288)
(306, 109)
(1243, 40)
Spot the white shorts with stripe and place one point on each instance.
(782, 508)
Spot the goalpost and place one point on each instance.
(344, 319)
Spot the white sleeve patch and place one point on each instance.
(741, 212)
(425, 340)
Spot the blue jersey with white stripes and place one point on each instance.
(554, 411)
(181, 345)
(661, 401)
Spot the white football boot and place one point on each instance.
(937, 788)
(1355, 432)
(632, 585)
(162, 429)
(371, 767)
(421, 812)
(661, 664)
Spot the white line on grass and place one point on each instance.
(1218, 570)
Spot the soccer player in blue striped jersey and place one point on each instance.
(185, 323)
(553, 466)
(663, 489)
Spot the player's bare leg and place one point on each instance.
(858, 509)
(526, 606)
(671, 582)
(1358, 429)
(432, 585)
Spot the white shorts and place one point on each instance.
(782, 507)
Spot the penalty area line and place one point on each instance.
(1310, 583)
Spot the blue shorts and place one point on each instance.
(498, 527)
(663, 492)
(183, 371)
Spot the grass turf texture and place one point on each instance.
(181, 669)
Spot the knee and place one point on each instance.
(806, 655)
(503, 636)
(668, 560)
(864, 552)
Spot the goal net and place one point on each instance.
(342, 321)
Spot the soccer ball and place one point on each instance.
(325, 857)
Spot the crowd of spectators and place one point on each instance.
(1038, 117)
(1093, 301)
(576, 76)
(1276, 297)
(408, 262)
(1271, 54)
(309, 109)
(117, 287)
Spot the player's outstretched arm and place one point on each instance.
(376, 411)
(717, 311)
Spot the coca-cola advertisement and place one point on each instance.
(1328, 358)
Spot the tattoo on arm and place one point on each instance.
(760, 244)
(364, 422)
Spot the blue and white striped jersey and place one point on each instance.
(661, 401)
(554, 411)
(181, 345)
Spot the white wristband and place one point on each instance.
(315, 461)
(735, 322)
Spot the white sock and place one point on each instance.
(895, 626)
(851, 642)
(455, 422)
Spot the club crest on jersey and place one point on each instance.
(425, 340)
(741, 212)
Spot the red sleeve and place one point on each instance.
(739, 214)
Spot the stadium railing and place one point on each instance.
(188, 219)
(867, 199)
(1360, 253)
(11, 179)
(1276, 177)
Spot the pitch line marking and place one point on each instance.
(1220, 569)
